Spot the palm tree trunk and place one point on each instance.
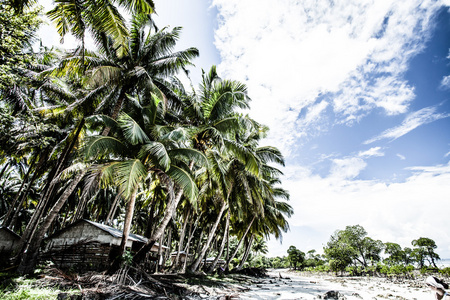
(246, 253)
(149, 229)
(168, 213)
(14, 207)
(180, 242)
(228, 243)
(81, 207)
(115, 112)
(191, 233)
(222, 245)
(48, 190)
(126, 232)
(29, 258)
(240, 241)
(112, 211)
(169, 244)
(127, 223)
(211, 234)
(158, 262)
(42, 160)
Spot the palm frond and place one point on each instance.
(244, 156)
(103, 120)
(191, 155)
(131, 130)
(184, 180)
(98, 146)
(103, 75)
(129, 174)
(270, 154)
(138, 6)
(156, 153)
(74, 168)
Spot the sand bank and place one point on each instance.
(294, 286)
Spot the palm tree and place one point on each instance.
(100, 18)
(148, 60)
(134, 153)
(212, 113)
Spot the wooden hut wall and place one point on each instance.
(85, 255)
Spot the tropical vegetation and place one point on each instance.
(351, 251)
(113, 135)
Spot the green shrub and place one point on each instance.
(445, 271)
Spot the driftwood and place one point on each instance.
(127, 283)
(254, 272)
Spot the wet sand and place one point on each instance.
(282, 284)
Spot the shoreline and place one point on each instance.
(277, 284)
(293, 285)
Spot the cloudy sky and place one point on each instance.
(357, 96)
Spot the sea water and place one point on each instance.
(443, 263)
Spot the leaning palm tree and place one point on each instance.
(212, 113)
(134, 152)
(99, 18)
(142, 70)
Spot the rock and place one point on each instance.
(333, 295)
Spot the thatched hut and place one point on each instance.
(181, 257)
(89, 245)
(9, 242)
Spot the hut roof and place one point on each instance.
(181, 253)
(114, 232)
(10, 232)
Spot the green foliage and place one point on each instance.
(26, 289)
(127, 258)
(16, 35)
(396, 255)
(295, 257)
(352, 246)
(424, 251)
(445, 271)
(279, 262)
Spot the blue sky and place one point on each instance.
(357, 96)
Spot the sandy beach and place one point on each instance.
(282, 284)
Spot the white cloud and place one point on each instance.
(411, 122)
(352, 54)
(445, 83)
(398, 212)
(402, 157)
(302, 61)
(347, 168)
(375, 151)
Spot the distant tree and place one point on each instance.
(295, 257)
(362, 248)
(407, 256)
(313, 259)
(339, 253)
(395, 254)
(260, 246)
(424, 250)
(352, 245)
(371, 249)
(279, 262)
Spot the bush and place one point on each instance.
(445, 271)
